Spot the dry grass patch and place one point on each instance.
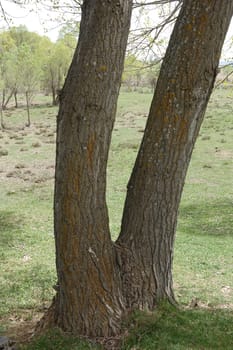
(224, 154)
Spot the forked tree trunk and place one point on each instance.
(89, 299)
(98, 280)
(155, 187)
(6, 99)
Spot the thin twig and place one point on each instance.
(226, 77)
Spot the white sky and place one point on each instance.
(44, 23)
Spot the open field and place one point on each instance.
(203, 262)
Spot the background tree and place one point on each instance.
(8, 59)
(30, 73)
(133, 72)
(18, 44)
(1, 95)
(57, 64)
(21, 35)
(25, 54)
(152, 73)
(140, 73)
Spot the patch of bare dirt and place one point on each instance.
(226, 291)
(27, 172)
(224, 154)
(194, 181)
(20, 328)
(199, 304)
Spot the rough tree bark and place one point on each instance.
(89, 299)
(98, 280)
(155, 187)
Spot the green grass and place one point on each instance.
(172, 329)
(167, 328)
(204, 244)
(203, 251)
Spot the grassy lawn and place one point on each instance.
(203, 262)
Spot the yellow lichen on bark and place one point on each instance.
(202, 24)
(90, 149)
(102, 68)
(183, 129)
(167, 105)
(188, 27)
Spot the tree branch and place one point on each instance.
(224, 79)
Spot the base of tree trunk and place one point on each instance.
(47, 321)
(141, 289)
(138, 290)
(110, 327)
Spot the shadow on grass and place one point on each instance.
(10, 226)
(215, 218)
(171, 329)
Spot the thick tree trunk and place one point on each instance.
(97, 280)
(88, 299)
(155, 187)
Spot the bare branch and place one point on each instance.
(4, 14)
(151, 3)
(146, 38)
(225, 78)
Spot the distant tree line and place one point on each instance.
(30, 63)
(139, 74)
